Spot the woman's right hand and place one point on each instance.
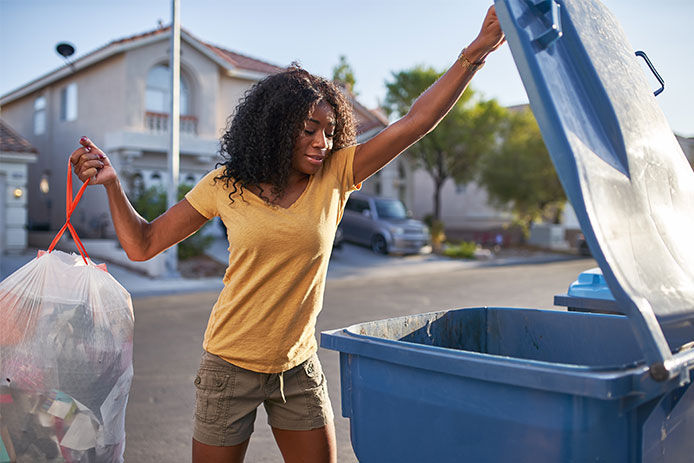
(489, 38)
(89, 162)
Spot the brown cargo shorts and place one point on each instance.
(227, 397)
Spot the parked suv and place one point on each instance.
(384, 224)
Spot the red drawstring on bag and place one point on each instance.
(70, 205)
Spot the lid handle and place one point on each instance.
(680, 363)
(555, 30)
(642, 54)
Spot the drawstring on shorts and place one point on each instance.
(281, 375)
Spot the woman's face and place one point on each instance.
(315, 141)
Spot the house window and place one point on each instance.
(137, 183)
(155, 180)
(159, 90)
(157, 102)
(40, 115)
(68, 102)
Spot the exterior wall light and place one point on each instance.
(18, 192)
(44, 185)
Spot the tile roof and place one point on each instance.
(373, 119)
(366, 119)
(518, 107)
(134, 38)
(235, 59)
(366, 125)
(242, 61)
(12, 142)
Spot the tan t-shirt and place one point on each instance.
(264, 319)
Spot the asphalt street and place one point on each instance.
(169, 332)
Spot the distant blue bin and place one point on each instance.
(521, 385)
(589, 293)
(507, 385)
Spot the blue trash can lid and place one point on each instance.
(590, 284)
(618, 160)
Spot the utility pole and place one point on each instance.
(174, 124)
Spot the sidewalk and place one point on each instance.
(137, 284)
(355, 262)
(350, 262)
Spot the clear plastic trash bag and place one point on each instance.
(65, 362)
(66, 357)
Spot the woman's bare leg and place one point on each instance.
(203, 453)
(314, 446)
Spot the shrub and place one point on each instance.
(463, 250)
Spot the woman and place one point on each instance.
(290, 164)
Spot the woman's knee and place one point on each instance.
(314, 446)
(203, 453)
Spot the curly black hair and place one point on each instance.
(259, 140)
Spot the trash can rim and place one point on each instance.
(569, 367)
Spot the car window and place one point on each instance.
(357, 205)
(390, 209)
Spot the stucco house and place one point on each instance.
(16, 154)
(687, 144)
(118, 96)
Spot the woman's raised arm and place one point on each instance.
(140, 239)
(431, 106)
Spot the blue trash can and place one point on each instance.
(507, 384)
(589, 293)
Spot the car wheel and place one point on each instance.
(379, 244)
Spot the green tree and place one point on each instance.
(344, 74)
(520, 174)
(453, 149)
(150, 203)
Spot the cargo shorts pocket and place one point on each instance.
(313, 372)
(213, 390)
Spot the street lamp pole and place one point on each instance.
(174, 124)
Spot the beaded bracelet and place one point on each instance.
(467, 64)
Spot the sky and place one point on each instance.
(378, 37)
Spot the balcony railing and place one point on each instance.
(159, 123)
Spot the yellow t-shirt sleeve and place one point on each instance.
(204, 196)
(343, 166)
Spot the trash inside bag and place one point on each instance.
(66, 339)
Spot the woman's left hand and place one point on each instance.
(489, 39)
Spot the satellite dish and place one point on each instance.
(65, 49)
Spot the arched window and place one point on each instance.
(159, 89)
